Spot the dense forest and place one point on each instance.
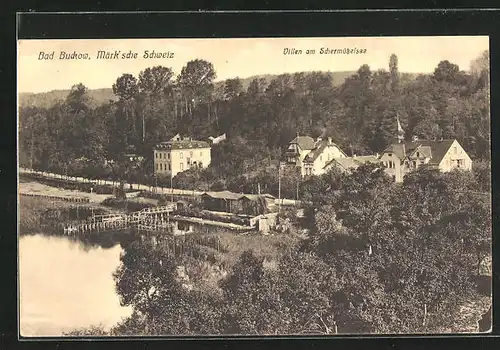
(260, 117)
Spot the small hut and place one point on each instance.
(224, 201)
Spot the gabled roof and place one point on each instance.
(366, 159)
(353, 162)
(437, 149)
(346, 163)
(315, 153)
(304, 142)
(397, 148)
(424, 151)
(224, 195)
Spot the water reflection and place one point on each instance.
(65, 285)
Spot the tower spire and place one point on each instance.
(401, 133)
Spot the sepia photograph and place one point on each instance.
(273, 186)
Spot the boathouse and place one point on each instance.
(236, 203)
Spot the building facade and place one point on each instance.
(316, 161)
(180, 154)
(297, 150)
(445, 155)
(311, 156)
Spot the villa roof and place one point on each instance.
(353, 162)
(185, 144)
(227, 195)
(304, 142)
(436, 150)
(316, 152)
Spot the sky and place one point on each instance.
(231, 58)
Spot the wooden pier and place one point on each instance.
(152, 219)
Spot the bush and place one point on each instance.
(197, 213)
(130, 205)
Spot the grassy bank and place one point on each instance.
(43, 215)
(130, 204)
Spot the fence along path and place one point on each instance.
(62, 198)
(139, 187)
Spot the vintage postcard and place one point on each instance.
(254, 186)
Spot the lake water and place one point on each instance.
(65, 285)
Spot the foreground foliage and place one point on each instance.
(406, 264)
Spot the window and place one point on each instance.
(418, 154)
(191, 154)
(455, 150)
(161, 166)
(181, 156)
(460, 163)
(201, 153)
(414, 164)
(200, 164)
(394, 178)
(156, 155)
(182, 165)
(168, 155)
(157, 166)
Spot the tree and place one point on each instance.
(232, 88)
(393, 69)
(434, 229)
(196, 82)
(78, 99)
(480, 69)
(155, 93)
(446, 71)
(126, 87)
(156, 81)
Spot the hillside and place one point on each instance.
(101, 96)
(48, 99)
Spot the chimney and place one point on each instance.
(377, 155)
(319, 139)
(354, 155)
(414, 138)
(330, 140)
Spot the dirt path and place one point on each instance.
(32, 187)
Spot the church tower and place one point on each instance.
(401, 132)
